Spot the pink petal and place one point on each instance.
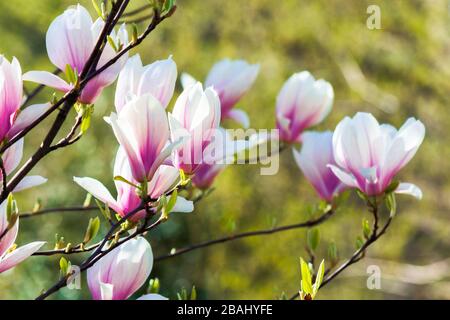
(29, 182)
(27, 117)
(240, 117)
(152, 296)
(48, 79)
(10, 260)
(98, 190)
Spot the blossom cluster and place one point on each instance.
(159, 149)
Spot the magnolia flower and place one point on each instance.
(71, 38)
(369, 155)
(127, 199)
(157, 79)
(121, 272)
(302, 103)
(143, 131)
(196, 114)
(218, 155)
(11, 159)
(9, 255)
(12, 120)
(313, 159)
(231, 79)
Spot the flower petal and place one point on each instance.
(98, 190)
(152, 296)
(240, 116)
(183, 205)
(48, 79)
(11, 259)
(29, 182)
(409, 189)
(27, 117)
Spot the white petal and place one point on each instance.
(409, 189)
(29, 182)
(346, 178)
(27, 117)
(97, 189)
(11, 259)
(152, 296)
(183, 205)
(240, 116)
(106, 291)
(187, 80)
(48, 79)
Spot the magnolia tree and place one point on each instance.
(167, 161)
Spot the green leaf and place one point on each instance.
(333, 252)
(92, 230)
(306, 283)
(168, 5)
(63, 266)
(134, 36)
(154, 286)
(97, 8)
(71, 74)
(113, 44)
(366, 228)
(391, 204)
(122, 179)
(86, 118)
(172, 201)
(359, 242)
(392, 187)
(193, 293)
(104, 210)
(313, 238)
(319, 278)
(87, 200)
(361, 194)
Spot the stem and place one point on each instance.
(55, 210)
(263, 232)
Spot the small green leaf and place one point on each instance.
(366, 228)
(113, 44)
(392, 187)
(134, 36)
(333, 253)
(306, 283)
(92, 230)
(168, 5)
(193, 293)
(391, 204)
(104, 210)
(97, 8)
(154, 286)
(359, 242)
(172, 201)
(361, 194)
(313, 238)
(122, 179)
(319, 278)
(63, 266)
(71, 74)
(87, 200)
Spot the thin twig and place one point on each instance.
(307, 224)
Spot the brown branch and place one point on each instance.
(307, 224)
(3, 172)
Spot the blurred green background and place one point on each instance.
(399, 71)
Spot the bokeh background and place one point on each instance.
(399, 71)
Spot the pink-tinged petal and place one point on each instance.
(30, 182)
(159, 79)
(15, 257)
(183, 206)
(346, 178)
(240, 116)
(165, 178)
(48, 79)
(10, 237)
(27, 117)
(98, 190)
(152, 296)
(128, 81)
(125, 269)
(69, 39)
(12, 157)
(106, 291)
(187, 80)
(409, 189)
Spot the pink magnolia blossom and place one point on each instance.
(10, 257)
(196, 115)
(127, 199)
(143, 131)
(313, 159)
(121, 272)
(369, 155)
(71, 38)
(152, 296)
(302, 103)
(157, 79)
(11, 160)
(231, 79)
(12, 120)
